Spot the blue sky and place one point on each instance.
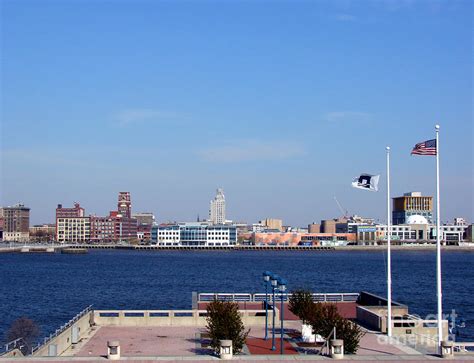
(280, 103)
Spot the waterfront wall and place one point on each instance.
(169, 317)
(58, 344)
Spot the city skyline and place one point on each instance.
(280, 106)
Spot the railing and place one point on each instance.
(12, 345)
(167, 317)
(326, 341)
(61, 329)
(259, 297)
(462, 347)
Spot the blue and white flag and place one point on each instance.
(367, 182)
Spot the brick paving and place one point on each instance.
(260, 346)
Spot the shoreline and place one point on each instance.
(59, 248)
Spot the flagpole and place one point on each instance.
(438, 248)
(389, 259)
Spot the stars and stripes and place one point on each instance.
(425, 148)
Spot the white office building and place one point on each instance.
(195, 234)
(217, 208)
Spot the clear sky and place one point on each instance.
(280, 103)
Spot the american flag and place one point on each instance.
(425, 148)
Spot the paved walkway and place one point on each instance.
(145, 341)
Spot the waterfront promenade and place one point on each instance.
(181, 336)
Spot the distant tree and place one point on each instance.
(224, 322)
(26, 329)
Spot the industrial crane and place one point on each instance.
(344, 212)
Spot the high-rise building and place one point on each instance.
(124, 206)
(16, 223)
(411, 204)
(217, 208)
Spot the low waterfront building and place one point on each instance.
(195, 234)
(275, 238)
(469, 235)
(327, 239)
(43, 232)
(416, 230)
(16, 223)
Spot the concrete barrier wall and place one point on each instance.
(423, 331)
(169, 317)
(369, 318)
(64, 340)
(14, 353)
(375, 317)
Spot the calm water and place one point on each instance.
(51, 288)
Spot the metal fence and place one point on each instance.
(14, 344)
(259, 297)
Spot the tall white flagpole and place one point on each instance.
(389, 259)
(438, 247)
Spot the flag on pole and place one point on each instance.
(367, 182)
(425, 148)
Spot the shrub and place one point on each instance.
(323, 318)
(326, 318)
(224, 322)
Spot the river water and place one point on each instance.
(52, 288)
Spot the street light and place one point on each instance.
(282, 287)
(266, 279)
(274, 283)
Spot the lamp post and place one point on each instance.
(274, 283)
(282, 287)
(266, 279)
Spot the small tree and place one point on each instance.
(26, 329)
(350, 333)
(301, 304)
(326, 318)
(224, 322)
